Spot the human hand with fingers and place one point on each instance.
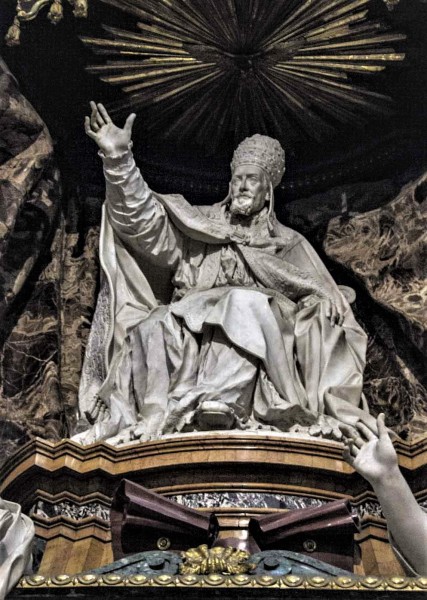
(112, 140)
(373, 457)
(336, 307)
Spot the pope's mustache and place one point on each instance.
(243, 195)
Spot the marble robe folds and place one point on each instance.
(246, 322)
(16, 538)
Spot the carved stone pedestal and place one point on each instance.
(68, 488)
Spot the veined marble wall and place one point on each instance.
(47, 281)
(385, 250)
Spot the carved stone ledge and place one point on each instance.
(69, 487)
(195, 464)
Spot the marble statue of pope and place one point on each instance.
(253, 333)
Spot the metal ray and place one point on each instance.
(158, 80)
(317, 12)
(129, 35)
(154, 77)
(357, 68)
(301, 68)
(369, 41)
(142, 48)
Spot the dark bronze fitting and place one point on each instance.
(163, 543)
(309, 545)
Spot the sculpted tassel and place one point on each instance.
(56, 12)
(13, 35)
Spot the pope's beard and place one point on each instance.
(243, 204)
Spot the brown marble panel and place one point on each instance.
(47, 281)
(385, 250)
(30, 203)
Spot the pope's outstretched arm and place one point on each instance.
(376, 460)
(133, 211)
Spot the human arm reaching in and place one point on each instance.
(376, 460)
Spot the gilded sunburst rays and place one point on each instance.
(208, 69)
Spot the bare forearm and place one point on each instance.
(374, 457)
(406, 520)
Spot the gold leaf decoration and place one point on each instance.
(203, 561)
(211, 69)
(27, 10)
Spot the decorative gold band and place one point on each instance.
(389, 584)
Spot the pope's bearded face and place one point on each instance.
(249, 188)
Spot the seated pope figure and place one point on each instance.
(255, 333)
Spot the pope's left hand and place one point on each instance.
(336, 309)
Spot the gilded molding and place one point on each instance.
(380, 584)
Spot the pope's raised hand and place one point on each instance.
(112, 140)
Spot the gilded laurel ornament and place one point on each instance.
(203, 561)
(213, 70)
(27, 10)
(391, 4)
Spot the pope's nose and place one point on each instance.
(243, 184)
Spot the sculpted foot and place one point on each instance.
(125, 436)
(325, 431)
(102, 430)
(214, 414)
(329, 428)
(139, 432)
(85, 438)
(325, 427)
